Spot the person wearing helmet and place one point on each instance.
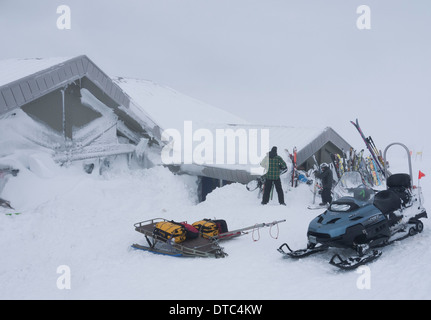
(325, 175)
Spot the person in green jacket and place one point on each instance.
(275, 164)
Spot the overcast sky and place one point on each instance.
(282, 62)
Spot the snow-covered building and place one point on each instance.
(76, 112)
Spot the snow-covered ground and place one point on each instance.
(85, 222)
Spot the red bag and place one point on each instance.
(191, 232)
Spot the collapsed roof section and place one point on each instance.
(78, 101)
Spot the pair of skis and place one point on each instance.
(293, 157)
(336, 165)
(369, 143)
(316, 183)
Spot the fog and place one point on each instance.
(295, 63)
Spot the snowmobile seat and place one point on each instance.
(399, 180)
(387, 201)
(401, 184)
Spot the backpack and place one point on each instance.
(210, 228)
(170, 230)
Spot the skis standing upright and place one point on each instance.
(291, 173)
(335, 164)
(340, 164)
(345, 167)
(353, 159)
(374, 173)
(315, 182)
(294, 168)
(369, 146)
(378, 154)
(358, 160)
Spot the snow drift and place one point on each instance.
(85, 222)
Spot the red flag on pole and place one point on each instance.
(421, 174)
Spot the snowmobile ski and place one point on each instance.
(301, 252)
(354, 261)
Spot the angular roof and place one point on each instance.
(24, 80)
(16, 69)
(27, 79)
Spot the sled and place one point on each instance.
(195, 247)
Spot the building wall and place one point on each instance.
(322, 155)
(49, 110)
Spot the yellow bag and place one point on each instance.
(207, 228)
(170, 230)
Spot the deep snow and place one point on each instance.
(85, 222)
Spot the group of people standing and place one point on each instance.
(274, 165)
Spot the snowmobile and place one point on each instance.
(365, 219)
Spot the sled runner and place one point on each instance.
(163, 237)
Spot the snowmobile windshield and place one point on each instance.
(351, 184)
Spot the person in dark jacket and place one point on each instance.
(325, 175)
(272, 176)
